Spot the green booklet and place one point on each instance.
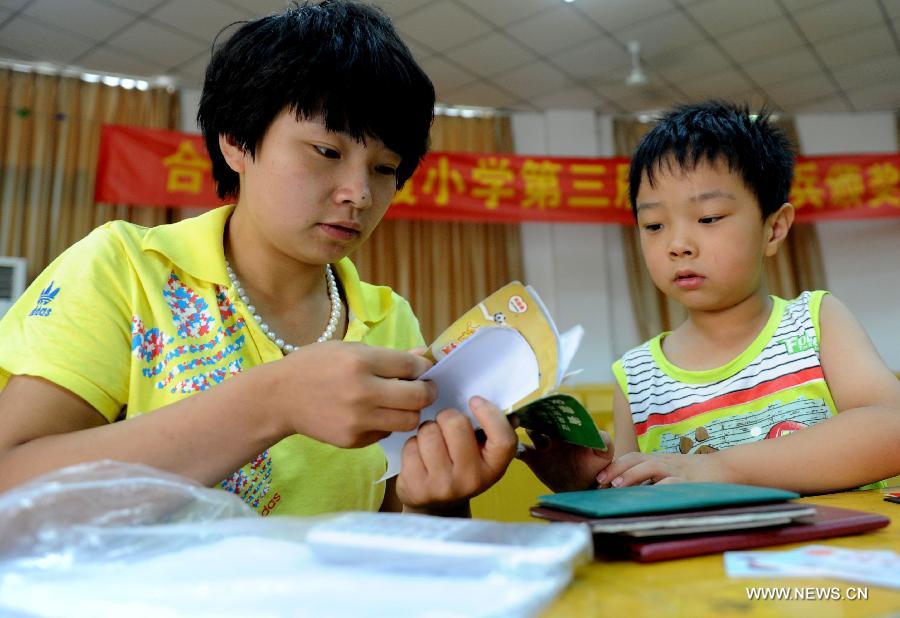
(562, 417)
(645, 499)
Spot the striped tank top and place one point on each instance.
(774, 387)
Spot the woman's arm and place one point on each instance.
(44, 427)
(343, 394)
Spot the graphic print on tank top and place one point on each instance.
(781, 389)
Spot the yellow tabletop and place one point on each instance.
(699, 586)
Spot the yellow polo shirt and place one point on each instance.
(132, 319)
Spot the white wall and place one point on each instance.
(577, 269)
(862, 258)
(189, 100)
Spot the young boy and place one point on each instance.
(200, 346)
(750, 388)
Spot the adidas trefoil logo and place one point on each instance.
(47, 295)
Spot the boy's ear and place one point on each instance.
(777, 226)
(234, 154)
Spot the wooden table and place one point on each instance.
(699, 586)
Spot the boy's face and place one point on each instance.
(313, 194)
(702, 235)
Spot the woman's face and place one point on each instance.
(312, 194)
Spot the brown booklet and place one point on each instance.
(825, 522)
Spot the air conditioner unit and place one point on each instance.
(12, 281)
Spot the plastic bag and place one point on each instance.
(113, 539)
(63, 510)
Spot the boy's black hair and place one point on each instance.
(719, 131)
(338, 59)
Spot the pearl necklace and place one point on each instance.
(333, 295)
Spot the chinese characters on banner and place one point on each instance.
(155, 167)
(509, 189)
(846, 187)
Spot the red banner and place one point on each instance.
(154, 167)
(846, 187)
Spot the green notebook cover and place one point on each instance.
(562, 417)
(644, 499)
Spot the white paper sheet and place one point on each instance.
(494, 363)
(252, 576)
(568, 346)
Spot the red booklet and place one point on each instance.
(828, 522)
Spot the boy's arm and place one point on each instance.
(856, 375)
(566, 467)
(856, 447)
(626, 440)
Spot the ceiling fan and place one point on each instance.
(637, 77)
(632, 86)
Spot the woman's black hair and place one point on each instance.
(339, 60)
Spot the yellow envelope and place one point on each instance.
(513, 306)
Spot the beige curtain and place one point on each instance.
(444, 268)
(50, 134)
(654, 312)
(796, 267)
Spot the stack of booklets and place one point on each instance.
(648, 523)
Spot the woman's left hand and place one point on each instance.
(445, 463)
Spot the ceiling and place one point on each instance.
(796, 55)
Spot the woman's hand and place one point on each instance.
(566, 467)
(445, 463)
(347, 394)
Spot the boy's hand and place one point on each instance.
(566, 467)
(636, 468)
(445, 463)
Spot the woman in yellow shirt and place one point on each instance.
(227, 326)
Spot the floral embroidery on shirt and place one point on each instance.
(189, 311)
(251, 485)
(146, 344)
(193, 320)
